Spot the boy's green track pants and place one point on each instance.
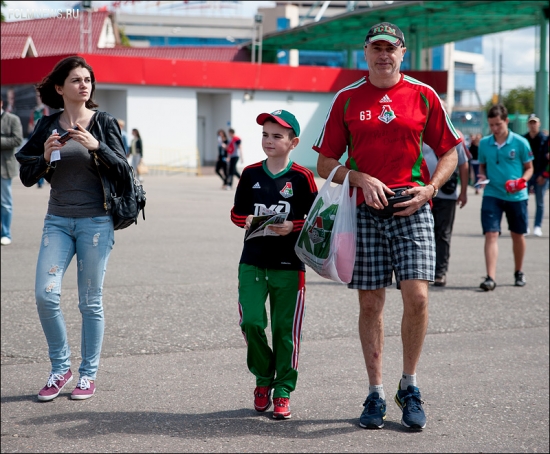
(277, 367)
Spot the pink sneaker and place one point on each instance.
(56, 382)
(84, 389)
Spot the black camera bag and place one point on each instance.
(398, 197)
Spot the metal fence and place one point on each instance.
(171, 161)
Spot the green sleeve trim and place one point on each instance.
(425, 101)
(352, 162)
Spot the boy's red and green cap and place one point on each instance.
(283, 117)
(386, 31)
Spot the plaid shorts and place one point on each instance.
(401, 244)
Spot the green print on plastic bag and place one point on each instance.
(326, 242)
(315, 239)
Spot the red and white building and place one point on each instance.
(177, 97)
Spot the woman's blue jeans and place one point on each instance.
(540, 190)
(6, 207)
(92, 240)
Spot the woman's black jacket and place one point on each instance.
(110, 155)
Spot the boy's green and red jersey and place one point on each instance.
(291, 191)
(383, 130)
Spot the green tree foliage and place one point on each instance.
(521, 99)
(124, 40)
(2, 18)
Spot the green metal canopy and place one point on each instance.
(433, 22)
(425, 24)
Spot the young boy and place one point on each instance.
(269, 265)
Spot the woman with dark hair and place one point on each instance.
(81, 154)
(221, 163)
(136, 151)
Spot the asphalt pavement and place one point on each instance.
(173, 374)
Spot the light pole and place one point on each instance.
(86, 26)
(258, 38)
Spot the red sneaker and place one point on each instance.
(262, 398)
(282, 408)
(56, 382)
(85, 388)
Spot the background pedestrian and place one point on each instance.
(444, 208)
(505, 159)
(234, 153)
(124, 134)
(12, 137)
(538, 183)
(221, 163)
(40, 110)
(474, 162)
(136, 151)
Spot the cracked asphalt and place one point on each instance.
(173, 374)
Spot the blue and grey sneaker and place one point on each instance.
(374, 413)
(411, 405)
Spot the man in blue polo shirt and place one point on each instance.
(505, 160)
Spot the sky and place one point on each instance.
(520, 55)
(519, 48)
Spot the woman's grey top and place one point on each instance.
(76, 188)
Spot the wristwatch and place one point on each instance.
(435, 189)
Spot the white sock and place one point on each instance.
(377, 389)
(407, 380)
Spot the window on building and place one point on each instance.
(334, 59)
(406, 64)
(465, 78)
(466, 67)
(438, 58)
(283, 23)
(473, 45)
(185, 41)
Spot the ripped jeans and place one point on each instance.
(92, 240)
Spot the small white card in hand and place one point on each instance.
(479, 183)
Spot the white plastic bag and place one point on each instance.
(327, 241)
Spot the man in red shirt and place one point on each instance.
(382, 121)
